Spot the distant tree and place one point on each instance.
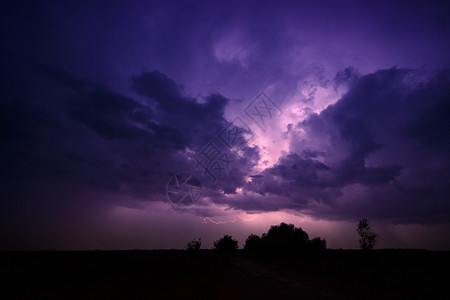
(226, 244)
(285, 239)
(317, 245)
(194, 245)
(253, 244)
(367, 237)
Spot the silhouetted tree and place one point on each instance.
(194, 245)
(285, 239)
(226, 244)
(367, 237)
(317, 245)
(253, 244)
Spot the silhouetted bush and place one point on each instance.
(367, 237)
(282, 240)
(285, 239)
(253, 244)
(194, 245)
(317, 245)
(226, 244)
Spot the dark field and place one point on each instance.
(176, 274)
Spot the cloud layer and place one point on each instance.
(381, 150)
(102, 103)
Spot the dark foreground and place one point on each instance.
(173, 274)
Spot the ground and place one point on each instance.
(175, 274)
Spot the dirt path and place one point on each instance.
(258, 279)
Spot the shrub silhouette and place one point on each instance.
(194, 245)
(284, 239)
(317, 245)
(367, 237)
(226, 244)
(253, 244)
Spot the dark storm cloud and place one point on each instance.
(82, 132)
(199, 124)
(348, 76)
(68, 144)
(387, 141)
(198, 121)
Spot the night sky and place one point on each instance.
(340, 110)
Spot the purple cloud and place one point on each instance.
(82, 112)
(385, 137)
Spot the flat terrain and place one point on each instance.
(177, 274)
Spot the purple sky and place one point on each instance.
(101, 104)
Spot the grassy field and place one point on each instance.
(176, 274)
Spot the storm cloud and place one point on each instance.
(386, 139)
(102, 103)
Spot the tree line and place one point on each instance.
(285, 239)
